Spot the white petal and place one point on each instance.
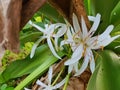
(92, 42)
(35, 46)
(59, 84)
(106, 32)
(76, 66)
(77, 54)
(36, 26)
(85, 63)
(70, 68)
(84, 28)
(95, 24)
(50, 29)
(52, 48)
(50, 75)
(104, 42)
(66, 42)
(46, 26)
(70, 33)
(62, 29)
(91, 18)
(38, 82)
(108, 40)
(27, 89)
(76, 24)
(56, 43)
(92, 64)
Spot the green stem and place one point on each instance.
(67, 79)
(57, 77)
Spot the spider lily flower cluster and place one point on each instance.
(83, 42)
(80, 39)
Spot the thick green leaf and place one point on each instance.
(115, 15)
(92, 82)
(30, 37)
(104, 7)
(22, 67)
(107, 75)
(49, 60)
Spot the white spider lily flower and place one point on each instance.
(49, 86)
(49, 33)
(83, 42)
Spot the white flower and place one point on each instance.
(83, 42)
(49, 86)
(49, 33)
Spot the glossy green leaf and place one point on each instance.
(30, 37)
(107, 75)
(22, 67)
(115, 15)
(104, 7)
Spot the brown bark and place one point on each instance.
(68, 7)
(78, 8)
(10, 15)
(9, 25)
(62, 6)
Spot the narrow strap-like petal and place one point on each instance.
(59, 84)
(76, 24)
(77, 54)
(38, 82)
(106, 32)
(70, 68)
(66, 42)
(35, 46)
(85, 63)
(36, 26)
(95, 24)
(70, 33)
(61, 30)
(108, 40)
(52, 48)
(92, 63)
(50, 75)
(76, 66)
(84, 28)
(56, 43)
